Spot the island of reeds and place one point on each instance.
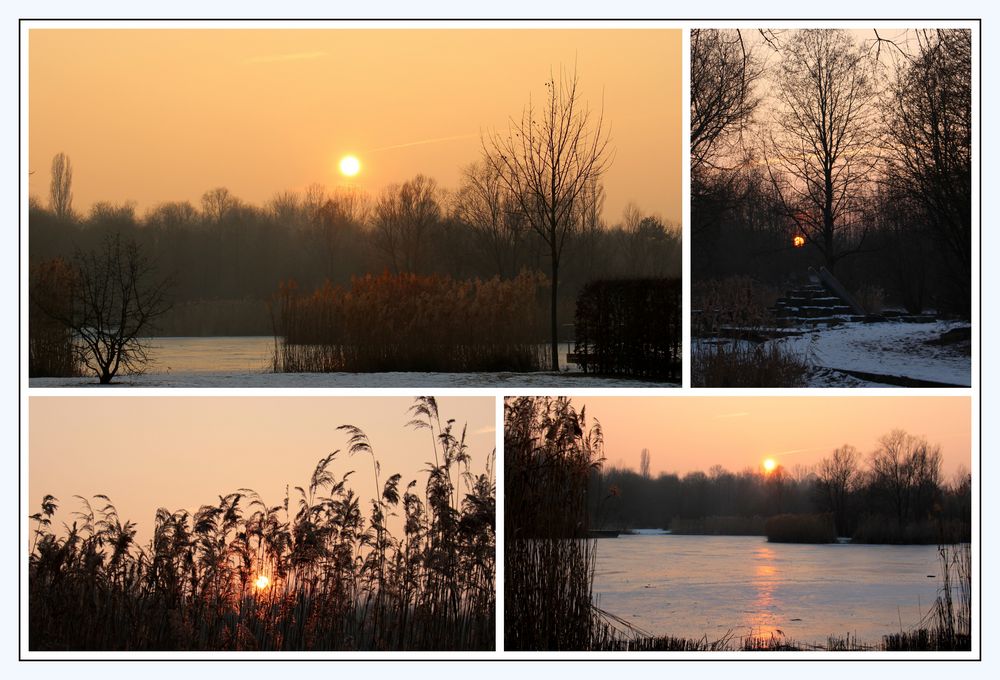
(323, 569)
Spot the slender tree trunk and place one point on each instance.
(555, 314)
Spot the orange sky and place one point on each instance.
(183, 452)
(695, 433)
(153, 115)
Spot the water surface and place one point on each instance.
(690, 586)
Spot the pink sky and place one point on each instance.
(183, 452)
(684, 434)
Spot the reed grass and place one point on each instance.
(339, 580)
(745, 363)
(548, 561)
(408, 322)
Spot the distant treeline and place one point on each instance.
(228, 257)
(896, 495)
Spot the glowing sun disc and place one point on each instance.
(350, 166)
(262, 582)
(769, 465)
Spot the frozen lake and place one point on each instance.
(246, 362)
(690, 586)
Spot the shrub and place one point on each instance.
(51, 352)
(818, 528)
(630, 327)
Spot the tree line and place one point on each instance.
(859, 147)
(895, 494)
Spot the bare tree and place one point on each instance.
(644, 463)
(60, 190)
(484, 203)
(724, 72)
(930, 129)
(547, 160)
(836, 478)
(404, 216)
(824, 146)
(115, 297)
(217, 204)
(908, 470)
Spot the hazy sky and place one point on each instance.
(695, 433)
(183, 452)
(164, 115)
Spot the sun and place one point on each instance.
(262, 582)
(350, 166)
(769, 465)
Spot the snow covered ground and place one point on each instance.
(888, 348)
(245, 362)
(422, 380)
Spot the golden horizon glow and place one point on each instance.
(350, 165)
(262, 582)
(133, 135)
(769, 465)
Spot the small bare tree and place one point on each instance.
(115, 298)
(60, 190)
(547, 161)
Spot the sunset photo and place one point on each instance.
(261, 524)
(723, 524)
(353, 207)
(832, 221)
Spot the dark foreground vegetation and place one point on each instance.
(548, 559)
(549, 563)
(630, 327)
(897, 494)
(311, 573)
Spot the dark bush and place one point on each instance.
(630, 327)
(818, 528)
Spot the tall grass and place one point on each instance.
(339, 578)
(408, 322)
(746, 363)
(729, 326)
(548, 561)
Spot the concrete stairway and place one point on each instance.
(811, 304)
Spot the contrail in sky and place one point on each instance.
(422, 141)
(295, 56)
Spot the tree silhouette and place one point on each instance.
(60, 190)
(114, 300)
(824, 145)
(549, 161)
